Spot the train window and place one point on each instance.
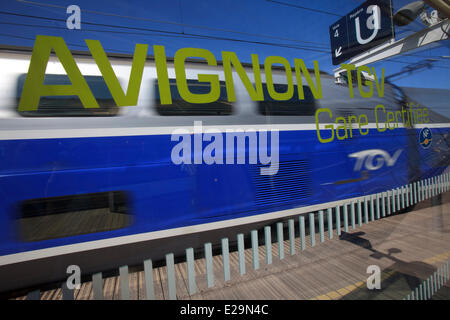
(70, 106)
(291, 107)
(180, 107)
(57, 217)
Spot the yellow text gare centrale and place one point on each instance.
(384, 120)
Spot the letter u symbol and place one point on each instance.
(373, 22)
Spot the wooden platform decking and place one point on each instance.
(406, 247)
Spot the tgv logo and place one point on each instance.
(372, 23)
(374, 159)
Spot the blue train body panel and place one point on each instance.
(164, 195)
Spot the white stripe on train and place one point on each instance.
(148, 236)
(148, 131)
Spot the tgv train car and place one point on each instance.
(100, 187)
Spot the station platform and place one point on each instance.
(407, 248)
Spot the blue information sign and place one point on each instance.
(363, 28)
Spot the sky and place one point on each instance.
(287, 28)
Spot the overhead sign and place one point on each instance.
(363, 28)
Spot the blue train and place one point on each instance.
(99, 187)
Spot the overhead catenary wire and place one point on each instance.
(408, 63)
(155, 34)
(306, 48)
(163, 33)
(182, 24)
(120, 32)
(305, 8)
(72, 44)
